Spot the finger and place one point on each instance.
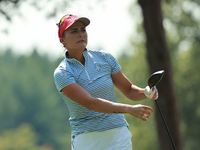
(146, 115)
(147, 112)
(148, 108)
(141, 109)
(144, 118)
(141, 116)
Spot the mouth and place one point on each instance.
(80, 41)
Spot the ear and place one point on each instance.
(62, 41)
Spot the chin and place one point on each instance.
(82, 46)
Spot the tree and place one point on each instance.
(5, 5)
(28, 95)
(182, 26)
(158, 57)
(10, 7)
(20, 138)
(187, 85)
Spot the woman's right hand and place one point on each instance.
(140, 111)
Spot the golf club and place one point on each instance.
(154, 79)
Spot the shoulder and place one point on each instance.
(100, 54)
(63, 67)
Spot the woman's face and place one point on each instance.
(75, 37)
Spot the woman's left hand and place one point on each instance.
(151, 93)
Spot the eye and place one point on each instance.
(83, 30)
(74, 31)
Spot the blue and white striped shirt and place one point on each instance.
(95, 78)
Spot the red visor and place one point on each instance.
(68, 20)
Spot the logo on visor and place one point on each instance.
(62, 20)
(70, 17)
(73, 18)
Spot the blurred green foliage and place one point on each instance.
(28, 95)
(20, 138)
(183, 33)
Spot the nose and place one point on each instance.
(81, 34)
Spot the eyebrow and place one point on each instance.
(74, 29)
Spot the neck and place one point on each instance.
(78, 55)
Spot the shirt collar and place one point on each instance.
(72, 60)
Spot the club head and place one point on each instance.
(155, 78)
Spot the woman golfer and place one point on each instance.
(85, 80)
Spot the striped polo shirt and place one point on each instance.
(95, 78)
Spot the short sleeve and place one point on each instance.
(115, 67)
(63, 78)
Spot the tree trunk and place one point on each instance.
(158, 57)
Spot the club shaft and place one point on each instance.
(165, 125)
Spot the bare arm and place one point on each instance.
(125, 86)
(82, 97)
